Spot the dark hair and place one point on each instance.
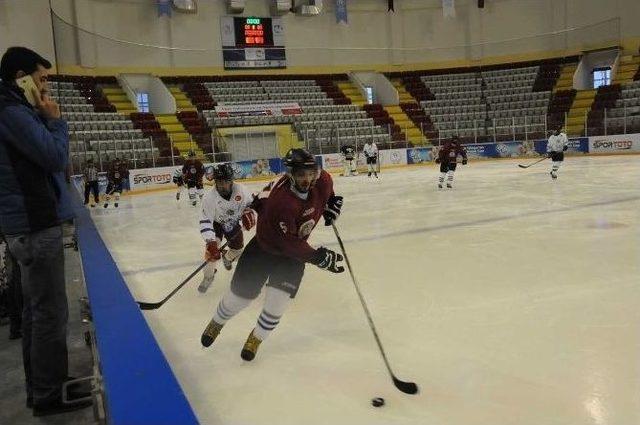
(20, 59)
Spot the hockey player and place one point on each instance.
(370, 150)
(349, 160)
(447, 158)
(223, 208)
(556, 146)
(114, 185)
(178, 180)
(193, 171)
(288, 210)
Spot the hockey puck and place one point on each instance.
(377, 402)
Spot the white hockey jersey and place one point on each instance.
(557, 143)
(370, 149)
(216, 209)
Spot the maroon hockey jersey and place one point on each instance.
(193, 170)
(450, 151)
(285, 221)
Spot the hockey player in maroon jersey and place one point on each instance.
(288, 210)
(447, 158)
(114, 183)
(193, 171)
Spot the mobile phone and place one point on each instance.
(27, 85)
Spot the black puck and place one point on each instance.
(377, 402)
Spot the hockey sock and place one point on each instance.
(275, 304)
(192, 193)
(229, 306)
(441, 178)
(200, 193)
(449, 177)
(232, 254)
(556, 166)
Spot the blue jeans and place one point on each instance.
(45, 312)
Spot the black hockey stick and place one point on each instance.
(405, 387)
(153, 306)
(533, 163)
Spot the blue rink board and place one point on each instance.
(141, 388)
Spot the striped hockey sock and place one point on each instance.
(449, 177)
(275, 304)
(229, 306)
(441, 178)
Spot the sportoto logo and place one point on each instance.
(151, 179)
(613, 145)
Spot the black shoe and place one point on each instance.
(74, 397)
(57, 406)
(74, 392)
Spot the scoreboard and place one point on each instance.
(252, 43)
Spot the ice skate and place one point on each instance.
(206, 282)
(210, 333)
(250, 348)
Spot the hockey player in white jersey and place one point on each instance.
(223, 209)
(371, 154)
(556, 146)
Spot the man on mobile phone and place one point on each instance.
(34, 202)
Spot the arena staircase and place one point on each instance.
(405, 96)
(628, 68)
(413, 133)
(351, 92)
(117, 97)
(565, 81)
(183, 103)
(178, 134)
(578, 112)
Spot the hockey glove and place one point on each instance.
(249, 217)
(328, 260)
(212, 252)
(332, 210)
(437, 160)
(565, 148)
(550, 154)
(464, 161)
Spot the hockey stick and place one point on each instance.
(533, 163)
(153, 306)
(405, 387)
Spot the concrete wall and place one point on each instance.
(26, 23)
(416, 33)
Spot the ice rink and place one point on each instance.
(511, 299)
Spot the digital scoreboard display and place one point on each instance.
(250, 42)
(253, 32)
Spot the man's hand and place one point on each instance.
(212, 252)
(46, 106)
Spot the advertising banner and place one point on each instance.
(151, 178)
(418, 155)
(621, 143)
(392, 157)
(576, 145)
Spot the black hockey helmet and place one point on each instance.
(223, 171)
(299, 158)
